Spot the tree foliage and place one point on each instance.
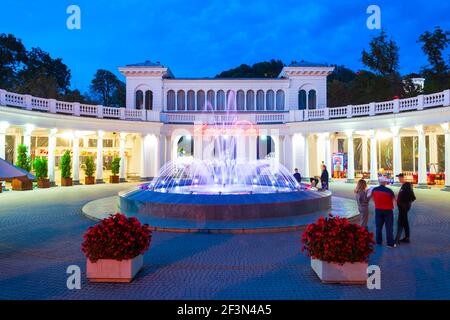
(383, 56)
(265, 69)
(108, 89)
(23, 159)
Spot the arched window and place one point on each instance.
(260, 100)
(148, 100)
(240, 100)
(220, 100)
(312, 99)
(181, 100)
(185, 147)
(139, 99)
(270, 100)
(280, 100)
(201, 100)
(231, 100)
(171, 100)
(250, 100)
(302, 100)
(191, 100)
(211, 101)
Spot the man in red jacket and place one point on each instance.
(384, 200)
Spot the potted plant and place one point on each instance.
(89, 171)
(24, 162)
(115, 168)
(40, 166)
(339, 250)
(66, 169)
(114, 248)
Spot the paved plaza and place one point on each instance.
(41, 233)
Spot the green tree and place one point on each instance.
(40, 166)
(12, 57)
(43, 76)
(107, 88)
(66, 165)
(433, 45)
(23, 160)
(90, 167)
(265, 69)
(115, 166)
(383, 56)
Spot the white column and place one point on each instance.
(305, 170)
(27, 137)
(142, 171)
(198, 146)
(51, 155)
(397, 159)
(422, 165)
(365, 159)
(122, 172)
(252, 149)
(350, 157)
(328, 148)
(162, 151)
(3, 126)
(373, 157)
(288, 153)
(76, 158)
(240, 148)
(446, 128)
(99, 166)
(433, 152)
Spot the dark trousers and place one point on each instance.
(324, 184)
(384, 218)
(402, 223)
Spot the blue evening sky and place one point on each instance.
(203, 37)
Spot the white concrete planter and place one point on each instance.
(348, 273)
(108, 270)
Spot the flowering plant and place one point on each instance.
(117, 238)
(336, 240)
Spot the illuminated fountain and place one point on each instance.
(227, 187)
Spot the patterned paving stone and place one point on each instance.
(41, 233)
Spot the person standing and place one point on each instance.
(324, 177)
(405, 199)
(384, 199)
(362, 199)
(297, 176)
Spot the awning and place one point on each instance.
(9, 171)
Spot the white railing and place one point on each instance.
(440, 99)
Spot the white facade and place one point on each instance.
(146, 135)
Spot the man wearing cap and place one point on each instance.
(384, 199)
(405, 198)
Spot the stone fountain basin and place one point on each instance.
(225, 207)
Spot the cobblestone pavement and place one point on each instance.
(41, 232)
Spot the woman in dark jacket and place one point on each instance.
(405, 199)
(324, 178)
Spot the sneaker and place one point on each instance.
(405, 240)
(393, 246)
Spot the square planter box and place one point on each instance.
(21, 184)
(348, 273)
(43, 183)
(66, 182)
(89, 180)
(113, 179)
(108, 270)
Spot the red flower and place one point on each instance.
(117, 237)
(335, 239)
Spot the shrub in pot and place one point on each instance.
(89, 170)
(339, 250)
(114, 248)
(40, 166)
(24, 162)
(66, 169)
(115, 168)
